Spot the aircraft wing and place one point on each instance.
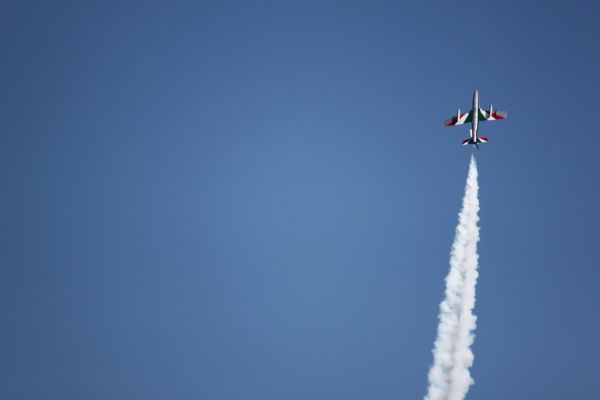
(491, 115)
(459, 119)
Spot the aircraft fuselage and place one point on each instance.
(475, 117)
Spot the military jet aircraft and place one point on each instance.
(474, 116)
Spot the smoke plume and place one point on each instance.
(449, 377)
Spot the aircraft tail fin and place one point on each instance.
(483, 139)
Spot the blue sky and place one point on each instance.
(256, 200)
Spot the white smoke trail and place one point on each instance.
(449, 377)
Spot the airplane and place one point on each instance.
(474, 116)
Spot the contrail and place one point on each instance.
(449, 377)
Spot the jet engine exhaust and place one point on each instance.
(449, 377)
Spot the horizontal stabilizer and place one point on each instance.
(477, 141)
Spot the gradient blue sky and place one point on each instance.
(256, 200)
